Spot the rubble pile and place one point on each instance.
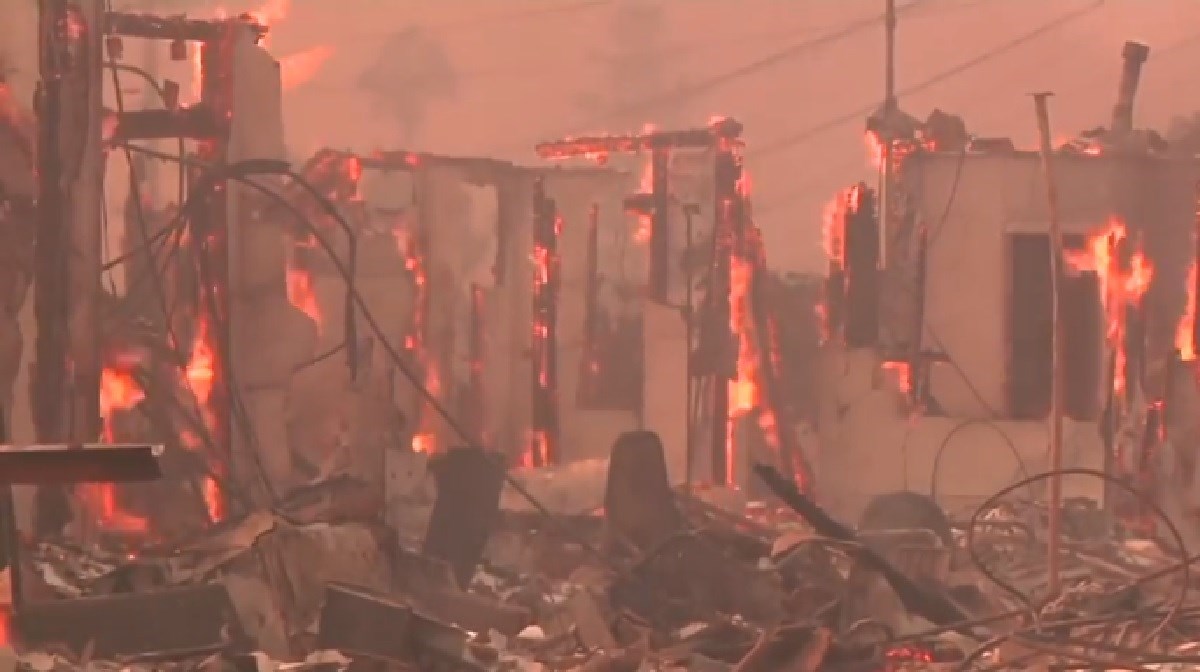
(649, 578)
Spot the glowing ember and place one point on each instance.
(1122, 285)
(1187, 324)
(903, 373)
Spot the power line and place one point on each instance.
(698, 88)
(813, 131)
(798, 191)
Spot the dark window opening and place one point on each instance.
(611, 368)
(1030, 331)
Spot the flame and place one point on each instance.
(1187, 324)
(645, 223)
(874, 147)
(545, 270)
(119, 391)
(300, 291)
(297, 69)
(271, 13)
(903, 373)
(200, 375)
(424, 440)
(1121, 286)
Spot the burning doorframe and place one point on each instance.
(733, 334)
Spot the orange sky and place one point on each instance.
(524, 71)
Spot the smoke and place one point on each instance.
(412, 71)
(1183, 134)
(636, 69)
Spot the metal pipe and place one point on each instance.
(889, 107)
(1054, 531)
(1134, 54)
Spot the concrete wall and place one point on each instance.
(586, 433)
(873, 441)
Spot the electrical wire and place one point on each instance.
(1183, 567)
(240, 172)
(790, 141)
(988, 100)
(698, 88)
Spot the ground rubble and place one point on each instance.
(630, 576)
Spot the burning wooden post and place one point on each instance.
(547, 227)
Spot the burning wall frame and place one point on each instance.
(729, 375)
(228, 260)
(453, 262)
(962, 207)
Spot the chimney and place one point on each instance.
(1134, 54)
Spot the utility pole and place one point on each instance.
(1054, 518)
(67, 263)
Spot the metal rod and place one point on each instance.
(1040, 101)
(889, 72)
(889, 107)
(690, 326)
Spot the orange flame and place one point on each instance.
(1121, 287)
(200, 375)
(903, 373)
(425, 439)
(119, 391)
(645, 223)
(297, 69)
(300, 291)
(1187, 324)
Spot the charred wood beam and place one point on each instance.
(50, 289)
(195, 123)
(718, 134)
(1195, 290)
(545, 421)
(933, 606)
(79, 463)
(589, 364)
(173, 27)
(772, 388)
(728, 238)
(660, 225)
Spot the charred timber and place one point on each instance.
(766, 334)
(50, 287)
(195, 123)
(719, 133)
(1194, 295)
(660, 225)
(545, 422)
(173, 27)
(212, 251)
(728, 237)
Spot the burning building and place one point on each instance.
(479, 272)
(937, 372)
